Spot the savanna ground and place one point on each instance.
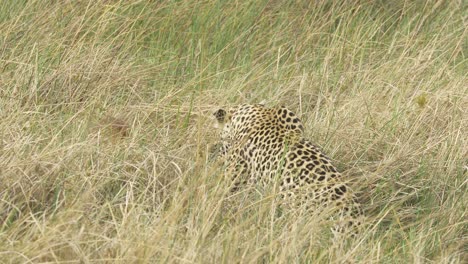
(105, 127)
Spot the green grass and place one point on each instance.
(105, 127)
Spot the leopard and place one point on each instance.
(260, 145)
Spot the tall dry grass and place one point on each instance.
(105, 133)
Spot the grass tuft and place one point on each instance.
(105, 127)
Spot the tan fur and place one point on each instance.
(260, 144)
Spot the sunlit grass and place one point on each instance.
(105, 127)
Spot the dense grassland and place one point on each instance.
(105, 127)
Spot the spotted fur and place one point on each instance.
(261, 144)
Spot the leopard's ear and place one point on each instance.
(220, 115)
